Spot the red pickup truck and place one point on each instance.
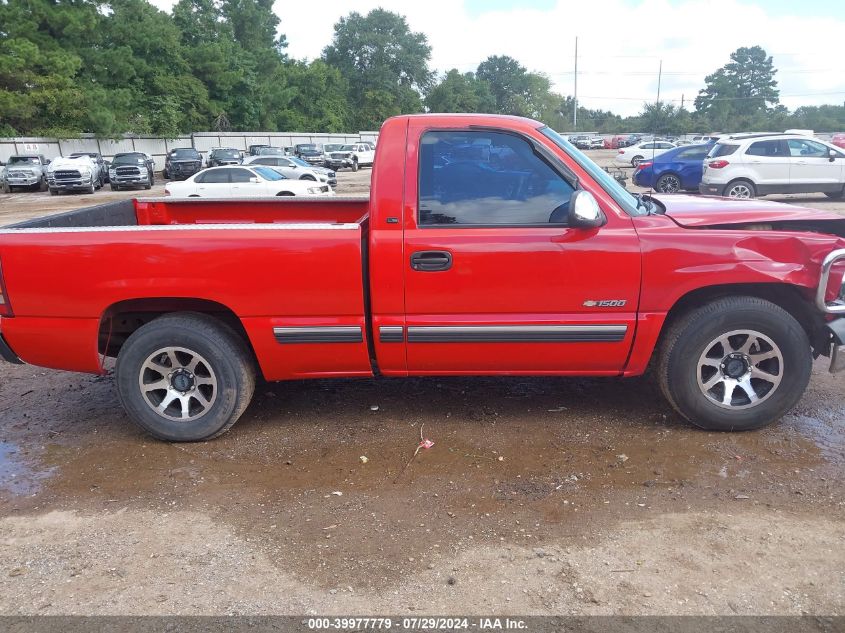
(489, 245)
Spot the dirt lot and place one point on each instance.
(539, 496)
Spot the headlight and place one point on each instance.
(313, 190)
(112, 172)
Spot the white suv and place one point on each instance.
(749, 165)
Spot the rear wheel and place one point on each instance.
(736, 364)
(284, 193)
(636, 160)
(668, 183)
(185, 377)
(742, 189)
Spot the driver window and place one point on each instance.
(801, 147)
(487, 178)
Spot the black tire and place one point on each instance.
(354, 164)
(836, 195)
(42, 186)
(225, 359)
(735, 188)
(6, 188)
(285, 193)
(54, 192)
(668, 183)
(636, 160)
(114, 187)
(681, 374)
(147, 186)
(91, 188)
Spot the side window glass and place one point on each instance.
(487, 178)
(239, 175)
(805, 148)
(216, 176)
(765, 148)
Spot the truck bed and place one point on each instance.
(170, 211)
(276, 265)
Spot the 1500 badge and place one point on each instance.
(605, 303)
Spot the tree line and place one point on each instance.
(74, 66)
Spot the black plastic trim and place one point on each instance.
(7, 354)
(518, 334)
(319, 334)
(391, 334)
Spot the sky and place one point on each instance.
(620, 42)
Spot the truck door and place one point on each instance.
(496, 282)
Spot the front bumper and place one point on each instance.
(25, 181)
(77, 184)
(836, 331)
(337, 163)
(130, 181)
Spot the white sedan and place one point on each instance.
(633, 155)
(243, 182)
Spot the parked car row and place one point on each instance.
(244, 181)
(333, 156)
(747, 166)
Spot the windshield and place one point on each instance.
(24, 160)
(625, 199)
(333, 147)
(226, 153)
(269, 174)
(185, 153)
(306, 148)
(348, 148)
(128, 159)
(271, 151)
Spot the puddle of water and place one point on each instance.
(19, 475)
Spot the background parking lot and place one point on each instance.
(539, 495)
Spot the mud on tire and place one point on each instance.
(185, 377)
(735, 364)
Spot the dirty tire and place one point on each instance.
(692, 335)
(229, 364)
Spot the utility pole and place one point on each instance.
(659, 77)
(682, 101)
(575, 104)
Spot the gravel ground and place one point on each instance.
(539, 496)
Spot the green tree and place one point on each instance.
(740, 93)
(459, 92)
(384, 63)
(515, 90)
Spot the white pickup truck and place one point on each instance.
(358, 154)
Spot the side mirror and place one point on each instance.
(254, 179)
(832, 155)
(584, 211)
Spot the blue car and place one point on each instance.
(678, 169)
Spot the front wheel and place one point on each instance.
(354, 164)
(735, 364)
(185, 377)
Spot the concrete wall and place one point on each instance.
(159, 147)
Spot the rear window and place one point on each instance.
(722, 149)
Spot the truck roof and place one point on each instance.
(477, 119)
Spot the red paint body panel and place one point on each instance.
(303, 263)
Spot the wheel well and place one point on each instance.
(735, 180)
(783, 295)
(121, 319)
